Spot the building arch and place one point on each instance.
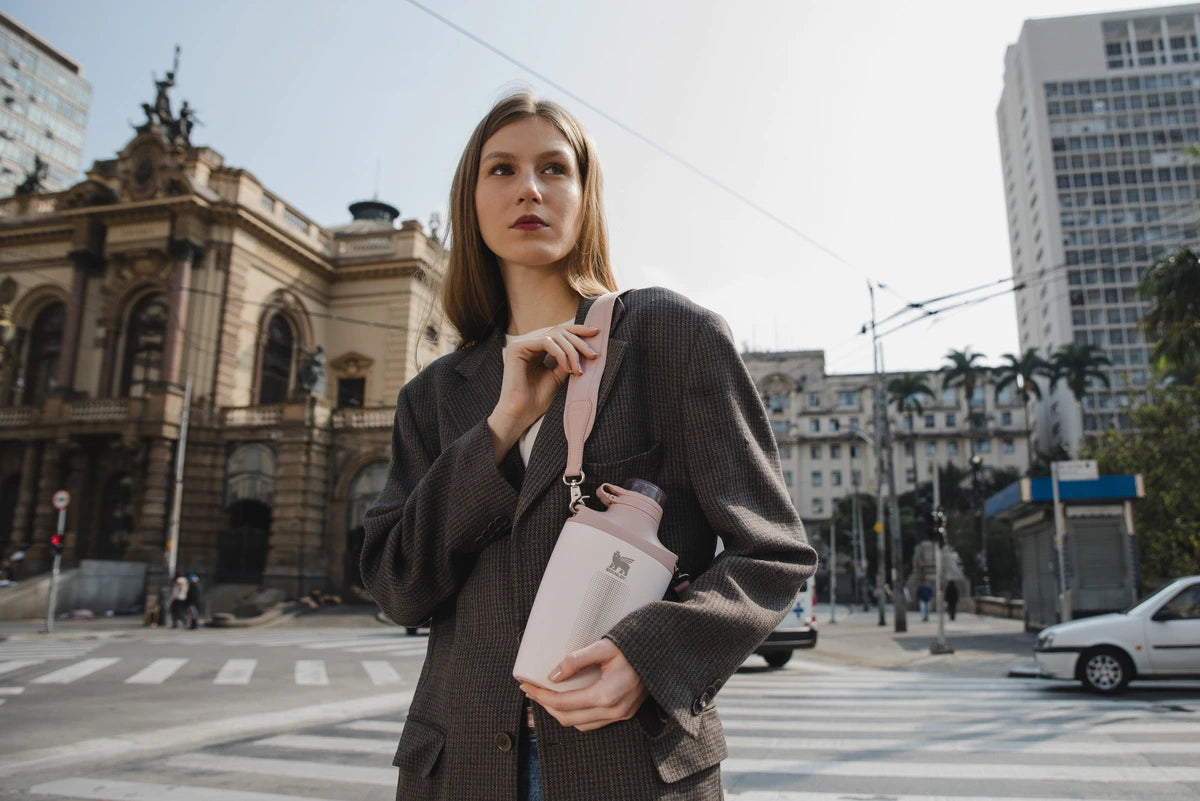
(116, 524)
(285, 335)
(141, 338)
(25, 314)
(243, 544)
(364, 489)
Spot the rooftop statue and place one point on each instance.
(33, 179)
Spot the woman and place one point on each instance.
(474, 499)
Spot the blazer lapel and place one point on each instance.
(549, 456)
(483, 370)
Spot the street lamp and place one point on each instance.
(977, 496)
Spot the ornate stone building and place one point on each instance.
(166, 266)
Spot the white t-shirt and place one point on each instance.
(525, 443)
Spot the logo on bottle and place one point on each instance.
(619, 566)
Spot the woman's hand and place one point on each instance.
(535, 366)
(617, 695)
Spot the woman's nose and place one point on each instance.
(529, 189)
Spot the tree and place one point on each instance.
(906, 392)
(963, 371)
(1077, 366)
(1162, 447)
(1021, 372)
(1173, 288)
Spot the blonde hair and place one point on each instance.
(473, 294)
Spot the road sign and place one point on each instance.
(1077, 470)
(61, 500)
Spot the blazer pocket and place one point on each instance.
(678, 755)
(643, 465)
(420, 746)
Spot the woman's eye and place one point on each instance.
(556, 169)
(500, 169)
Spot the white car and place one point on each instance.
(1158, 638)
(796, 630)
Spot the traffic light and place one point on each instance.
(56, 543)
(938, 517)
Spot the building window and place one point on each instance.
(814, 426)
(855, 451)
(145, 335)
(856, 477)
(835, 478)
(847, 398)
(45, 345)
(910, 476)
(951, 420)
(981, 446)
(930, 448)
(1010, 446)
(818, 506)
(779, 428)
(952, 447)
(834, 424)
(835, 451)
(814, 399)
(976, 396)
(275, 378)
(930, 421)
(350, 392)
(949, 396)
(787, 477)
(814, 451)
(853, 423)
(785, 451)
(816, 478)
(1006, 418)
(908, 422)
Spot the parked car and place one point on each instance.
(1158, 638)
(797, 630)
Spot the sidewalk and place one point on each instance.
(987, 646)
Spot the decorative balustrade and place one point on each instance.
(100, 409)
(18, 416)
(380, 417)
(251, 416)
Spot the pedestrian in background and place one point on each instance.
(474, 499)
(179, 594)
(951, 598)
(193, 601)
(924, 596)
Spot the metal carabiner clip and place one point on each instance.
(577, 496)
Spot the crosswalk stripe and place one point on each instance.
(11, 690)
(907, 768)
(388, 726)
(348, 745)
(323, 771)
(76, 671)
(236, 671)
(751, 722)
(796, 795)
(816, 745)
(381, 673)
(311, 673)
(13, 665)
(145, 791)
(157, 671)
(410, 647)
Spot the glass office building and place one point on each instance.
(1094, 120)
(43, 112)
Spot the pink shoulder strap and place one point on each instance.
(583, 392)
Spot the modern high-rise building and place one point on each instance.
(43, 113)
(1094, 118)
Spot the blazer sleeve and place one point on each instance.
(438, 509)
(685, 651)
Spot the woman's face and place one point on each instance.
(528, 195)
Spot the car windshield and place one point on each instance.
(1141, 606)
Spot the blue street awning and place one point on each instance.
(1038, 490)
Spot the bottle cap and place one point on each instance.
(643, 487)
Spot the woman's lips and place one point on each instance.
(529, 222)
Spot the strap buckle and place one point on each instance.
(577, 496)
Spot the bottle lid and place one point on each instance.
(643, 487)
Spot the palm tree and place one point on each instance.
(1173, 288)
(1077, 366)
(1021, 372)
(906, 391)
(963, 371)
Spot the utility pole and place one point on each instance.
(832, 572)
(172, 554)
(900, 603)
(880, 416)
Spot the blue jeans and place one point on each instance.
(529, 776)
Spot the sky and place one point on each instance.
(766, 159)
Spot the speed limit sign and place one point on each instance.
(61, 500)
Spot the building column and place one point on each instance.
(85, 266)
(23, 516)
(149, 531)
(185, 253)
(297, 561)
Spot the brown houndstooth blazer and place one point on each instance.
(458, 540)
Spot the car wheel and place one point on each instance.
(778, 658)
(1105, 670)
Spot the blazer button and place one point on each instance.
(504, 742)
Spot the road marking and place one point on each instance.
(195, 733)
(417, 647)
(387, 726)
(346, 745)
(311, 673)
(382, 673)
(906, 768)
(323, 771)
(11, 690)
(76, 671)
(16, 664)
(791, 795)
(236, 671)
(811, 745)
(145, 791)
(157, 671)
(743, 720)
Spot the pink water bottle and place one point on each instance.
(604, 566)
